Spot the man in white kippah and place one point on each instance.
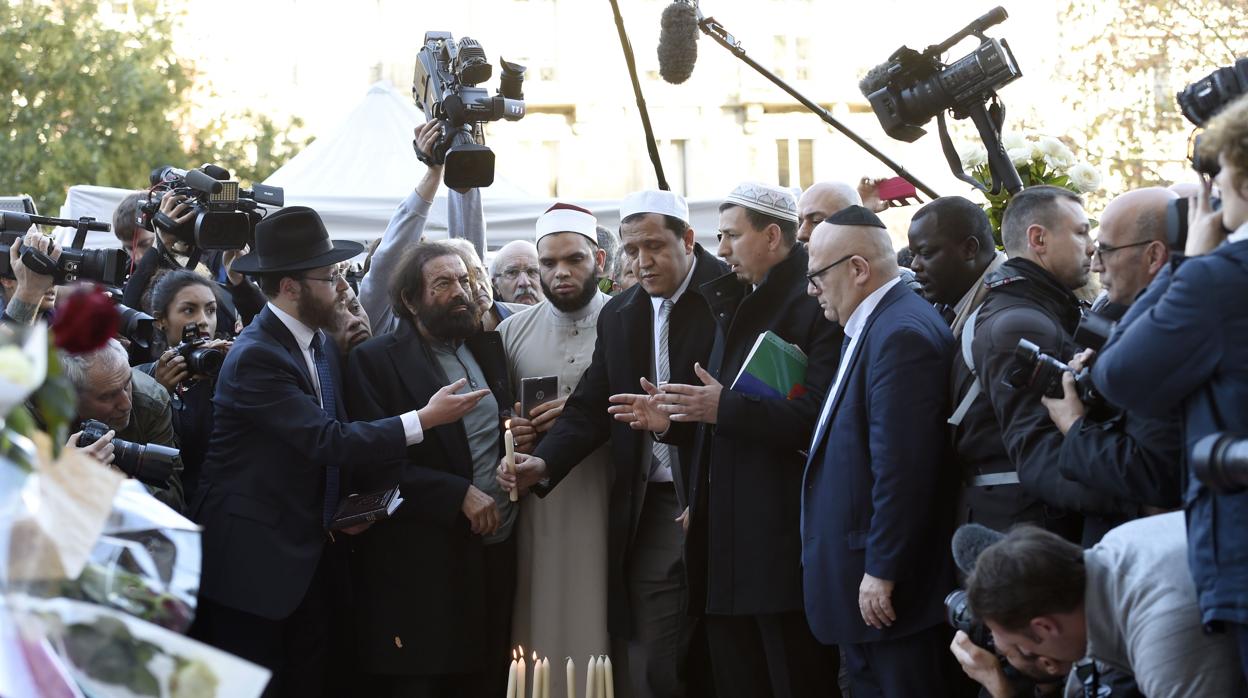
(744, 542)
(561, 589)
(651, 334)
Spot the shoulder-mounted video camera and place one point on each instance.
(225, 214)
(445, 86)
(912, 87)
(108, 267)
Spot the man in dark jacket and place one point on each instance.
(743, 547)
(433, 585)
(658, 329)
(1129, 456)
(1007, 445)
(1184, 345)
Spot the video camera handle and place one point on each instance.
(21, 222)
(988, 123)
(712, 28)
(977, 28)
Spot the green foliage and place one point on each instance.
(103, 102)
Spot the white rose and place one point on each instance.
(1055, 153)
(1084, 177)
(973, 155)
(1014, 141)
(15, 367)
(1021, 157)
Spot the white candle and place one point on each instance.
(537, 677)
(602, 677)
(571, 674)
(609, 676)
(546, 677)
(520, 672)
(511, 680)
(510, 443)
(590, 681)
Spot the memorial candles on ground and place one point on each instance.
(608, 676)
(510, 443)
(571, 676)
(591, 680)
(511, 678)
(537, 676)
(520, 671)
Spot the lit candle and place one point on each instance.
(590, 682)
(571, 674)
(514, 495)
(511, 678)
(520, 671)
(537, 676)
(610, 677)
(602, 677)
(546, 677)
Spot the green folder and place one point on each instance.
(773, 369)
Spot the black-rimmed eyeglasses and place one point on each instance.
(1101, 249)
(813, 277)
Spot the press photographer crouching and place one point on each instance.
(1127, 604)
(1184, 346)
(128, 405)
(185, 306)
(1131, 457)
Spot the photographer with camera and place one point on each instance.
(407, 226)
(1007, 445)
(1125, 455)
(1184, 346)
(1126, 605)
(32, 295)
(185, 307)
(173, 248)
(119, 404)
(127, 228)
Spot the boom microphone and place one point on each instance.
(969, 541)
(678, 48)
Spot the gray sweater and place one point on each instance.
(1143, 617)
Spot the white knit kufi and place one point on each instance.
(662, 202)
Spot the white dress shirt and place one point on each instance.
(412, 431)
(853, 329)
(663, 474)
(1241, 233)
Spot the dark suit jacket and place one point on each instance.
(261, 493)
(744, 549)
(1184, 345)
(878, 493)
(622, 355)
(420, 575)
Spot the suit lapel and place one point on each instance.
(860, 348)
(408, 352)
(278, 330)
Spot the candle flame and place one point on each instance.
(507, 424)
(513, 655)
(521, 651)
(535, 655)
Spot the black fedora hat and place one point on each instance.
(294, 239)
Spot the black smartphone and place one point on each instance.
(535, 391)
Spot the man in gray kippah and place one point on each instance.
(743, 541)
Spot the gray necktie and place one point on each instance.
(662, 365)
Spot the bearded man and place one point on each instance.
(561, 538)
(433, 584)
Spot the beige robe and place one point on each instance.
(561, 539)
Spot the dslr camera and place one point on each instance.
(150, 464)
(1199, 102)
(108, 267)
(201, 360)
(445, 86)
(1036, 371)
(225, 214)
(912, 87)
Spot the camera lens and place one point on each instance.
(206, 362)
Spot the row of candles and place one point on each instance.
(599, 681)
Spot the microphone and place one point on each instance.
(969, 541)
(678, 48)
(875, 79)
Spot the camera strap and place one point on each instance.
(968, 338)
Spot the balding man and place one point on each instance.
(1132, 458)
(877, 494)
(514, 273)
(821, 200)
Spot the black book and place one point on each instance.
(357, 509)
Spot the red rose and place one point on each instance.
(85, 321)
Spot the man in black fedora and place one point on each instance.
(280, 457)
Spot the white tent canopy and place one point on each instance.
(358, 173)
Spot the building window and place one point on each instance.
(795, 162)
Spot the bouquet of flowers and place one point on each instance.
(98, 579)
(1038, 159)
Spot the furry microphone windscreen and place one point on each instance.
(678, 48)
